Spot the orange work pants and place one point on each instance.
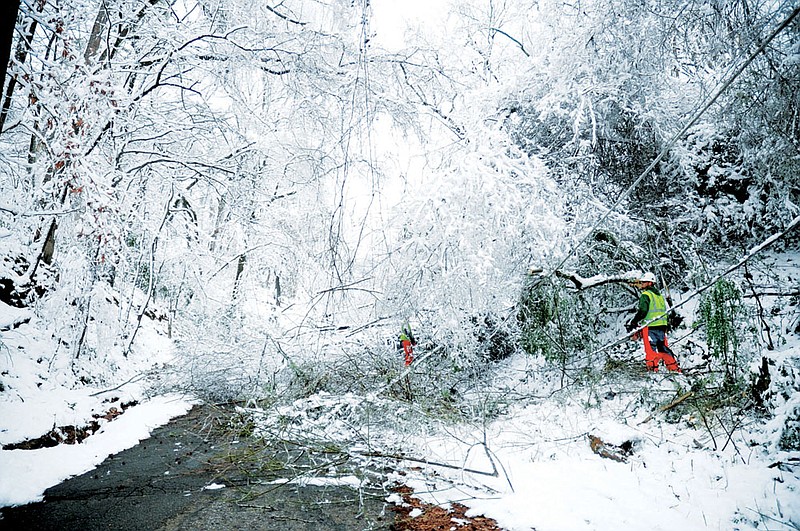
(654, 353)
(408, 351)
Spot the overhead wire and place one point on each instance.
(677, 136)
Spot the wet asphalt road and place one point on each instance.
(161, 485)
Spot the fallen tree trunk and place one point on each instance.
(669, 406)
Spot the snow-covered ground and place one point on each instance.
(683, 472)
(550, 479)
(534, 468)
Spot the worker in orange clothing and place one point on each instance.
(652, 312)
(408, 342)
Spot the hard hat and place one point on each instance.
(648, 277)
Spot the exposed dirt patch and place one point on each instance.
(435, 518)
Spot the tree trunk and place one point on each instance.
(8, 19)
(48, 249)
(21, 55)
(239, 271)
(97, 37)
(151, 283)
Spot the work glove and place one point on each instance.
(630, 326)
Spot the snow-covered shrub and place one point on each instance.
(790, 436)
(783, 400)
(493, 337)
(13, 265)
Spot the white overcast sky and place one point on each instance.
(390, 18)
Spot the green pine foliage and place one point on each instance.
(537, 309)
(547, 316)
(722, 313)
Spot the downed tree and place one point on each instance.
(582, 283)
(614, 452)
(669, 406)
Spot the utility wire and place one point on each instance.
(680, 134)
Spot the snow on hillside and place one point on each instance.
(40, 394)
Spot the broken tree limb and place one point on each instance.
(401, 457)
(132, 379)
(610, 451)
(669, 406)
(582, 283)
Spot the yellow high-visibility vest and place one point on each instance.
(657, 311)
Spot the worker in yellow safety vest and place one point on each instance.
(652, 312)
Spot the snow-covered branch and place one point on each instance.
(582, 283)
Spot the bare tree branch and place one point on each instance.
(515, 41)
(284, 17)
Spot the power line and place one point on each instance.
(680, 134)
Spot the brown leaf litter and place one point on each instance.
(436, 518)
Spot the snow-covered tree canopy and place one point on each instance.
(248, 200)
(273, 171)
(270, 169)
